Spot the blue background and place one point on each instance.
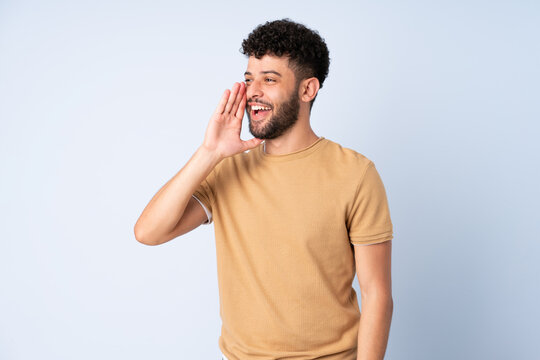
(102, 102)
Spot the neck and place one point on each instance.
(298, 137)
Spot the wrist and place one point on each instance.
(211, 154)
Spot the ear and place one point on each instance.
(308, 89)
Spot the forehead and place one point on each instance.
(269, 62)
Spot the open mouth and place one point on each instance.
(259, 112)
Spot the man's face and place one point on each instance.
(272, 96)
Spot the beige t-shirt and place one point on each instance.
(285, 226)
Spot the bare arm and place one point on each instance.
(172, 211)
(164, 211)
(373, 267)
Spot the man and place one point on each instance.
(294, 216)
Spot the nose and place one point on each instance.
(254, 90)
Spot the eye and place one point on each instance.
(270, 80)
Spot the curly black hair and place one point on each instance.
(307, 52)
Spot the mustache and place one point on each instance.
(258, 103)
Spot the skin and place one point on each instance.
(281, 118)
(373, 262)
(373, 268)
(173, 212)
(282, 134)
(283, 114)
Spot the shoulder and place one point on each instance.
(345, 158)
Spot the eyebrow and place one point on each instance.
(264, 72)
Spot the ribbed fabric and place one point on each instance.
(284, 227)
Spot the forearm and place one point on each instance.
(374, 327)
(167, 206)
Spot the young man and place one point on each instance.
(294, 216)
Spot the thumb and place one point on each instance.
(250, 144)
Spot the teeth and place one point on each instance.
(256, 107)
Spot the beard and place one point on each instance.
(285, 117)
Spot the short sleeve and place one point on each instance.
(368, 221)
(208, 213)
(206, 193)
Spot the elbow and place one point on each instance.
(140, 237)
(379, 294)
(378, 302)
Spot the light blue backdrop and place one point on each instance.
(102, 102)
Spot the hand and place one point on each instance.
(223, 131)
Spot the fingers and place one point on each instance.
(221, 105)
(238, 99)
(233, 101)
(240, 109)
(232, 98)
